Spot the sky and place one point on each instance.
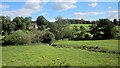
(68, 9)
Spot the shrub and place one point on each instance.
(59, 28)
(88, 36)
(18, 37)
(44, 37)
(68, 33)
(48, 37)
(81, 37)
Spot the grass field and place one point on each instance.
(44, 55)
(78, 25)
(105, 44)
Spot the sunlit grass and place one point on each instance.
(45, 55)
(106, 44)
(78, 25)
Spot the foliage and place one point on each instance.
(115, 22)
(86, 26)
(17, 37)
(88, 36)
(99, 29)
(78, 21)
(59, 28)
(6, 24)
(44, 37)
(104, 29)
(41, 21)
(27, 22)
(19, 23)
(67, 33)
(80, 34)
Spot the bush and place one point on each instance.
(68, 33)
(44, 37)
(88, 36)
(59, 28)
(18, 37)
(81, 37)
(48, 37)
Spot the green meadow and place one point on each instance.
(45, 55)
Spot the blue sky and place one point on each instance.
(70, 10)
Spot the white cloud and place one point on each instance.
(38, 0)
(93, 0)
(27, 10)
(87, 14)
(64, 4)
(92, 4)
(64, 0)
(109, 7)
(52, 20)
(112, 14)
(72, 1)
(109, 14)
(112, 11)
(4, 6)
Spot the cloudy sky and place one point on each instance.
(71, 9)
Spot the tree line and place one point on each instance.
(23, 30)
(82, 21)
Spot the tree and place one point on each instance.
(44, 37)
(72, 21)
(79, 34)
(106, 26)
(88, 22)
(27, 21)
(59, 27)
(83, 21)
(104, 29)
(17, 38)
(41, 21)
(19, 23)
(115, 22)
(75, 32)
(82, 32)
(6, 23)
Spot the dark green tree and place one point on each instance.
(6, 23)
(115, 22)
(104, 29)
(82, 32)
(59, 27)
(75, 32)
(28, 21)
(19, 23)
(41, 21)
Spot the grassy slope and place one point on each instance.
(106, 44)
(43, 55)
(85, 25)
